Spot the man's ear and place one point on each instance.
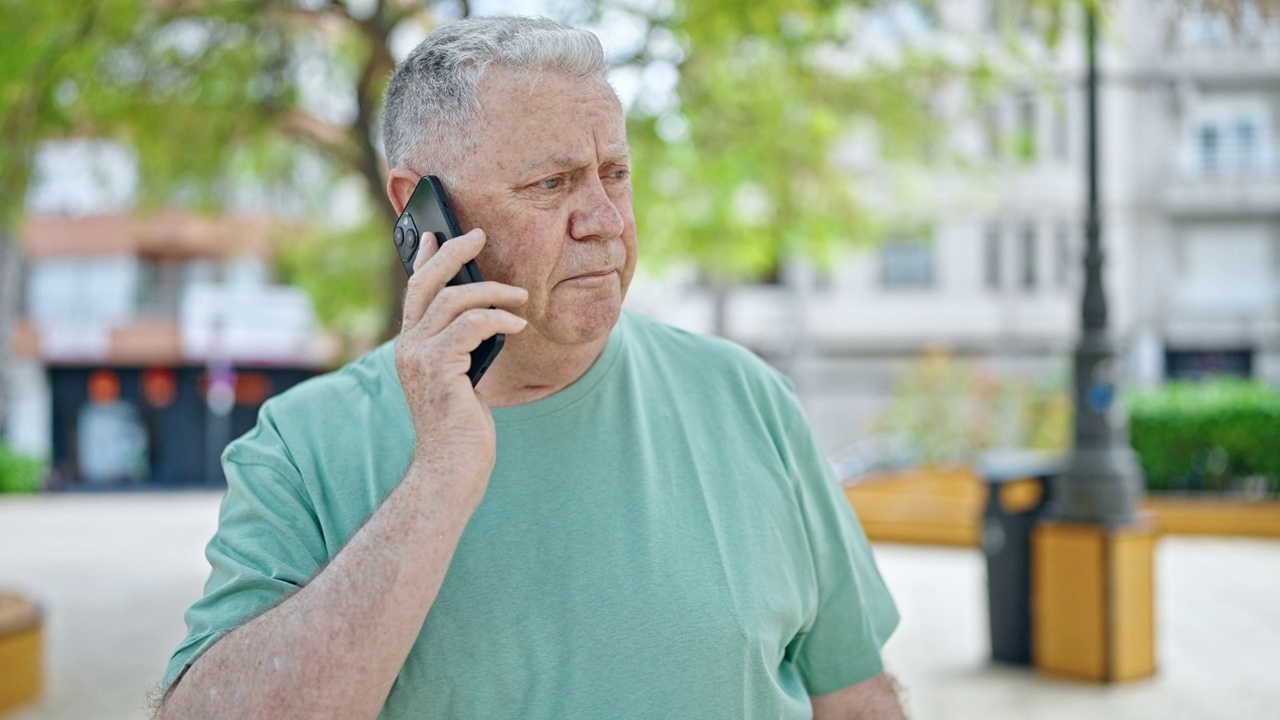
(400, 185)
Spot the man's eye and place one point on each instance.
(550, 183)
(620, 174)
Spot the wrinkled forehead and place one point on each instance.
(535, 87)
(529, 110)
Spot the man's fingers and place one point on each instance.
(452, 302)
(478, 324)
(433, 268)
(429, 246)
(415, 297)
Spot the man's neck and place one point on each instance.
(532, 368)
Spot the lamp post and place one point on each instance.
(1092, 565)
(1102, 482)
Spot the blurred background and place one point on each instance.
(883, 198)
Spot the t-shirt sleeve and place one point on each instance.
(268, 544)
(855, 612)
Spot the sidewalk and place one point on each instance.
(115, 572)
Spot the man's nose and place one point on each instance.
(596, 217)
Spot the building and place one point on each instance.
(147, 343)
(1190, 158)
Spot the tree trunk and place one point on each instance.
(10, 263)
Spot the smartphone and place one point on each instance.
(426, 212)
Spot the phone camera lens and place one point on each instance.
(399, 236)
(411, 238)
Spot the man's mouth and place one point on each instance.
(607, 272)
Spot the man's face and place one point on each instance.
(548, 180)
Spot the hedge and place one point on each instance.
(1201, 435)
(18, 473)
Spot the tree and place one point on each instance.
(215, 96)
(741, 169)
(737, 169)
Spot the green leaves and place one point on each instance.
(343, 270)
(217, 99)
(748, 164)
(1201, 436)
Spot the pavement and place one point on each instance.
(114, 574)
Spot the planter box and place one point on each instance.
(943, 506)
(21, 674)
(930, 505)
(1210, 515)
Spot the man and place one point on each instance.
(620, 521)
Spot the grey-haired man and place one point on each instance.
(621, 520)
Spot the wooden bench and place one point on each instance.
(21, 674)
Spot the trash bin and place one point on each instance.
(1018, 484)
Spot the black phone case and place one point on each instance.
(428, 211)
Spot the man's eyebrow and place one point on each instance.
(617, 151)
(555, 162)
(614, 152)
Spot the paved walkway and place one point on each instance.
(115, 572)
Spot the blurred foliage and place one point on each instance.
(18, 473)
(335, 266)
(741, 170)
(949, 409)
(744, 169)
(219, 100)
(1207, 435)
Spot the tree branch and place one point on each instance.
(330, 138)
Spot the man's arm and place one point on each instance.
(334, 648)
(874, 699)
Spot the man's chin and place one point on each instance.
(584, 324)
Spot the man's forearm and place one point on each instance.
(874, 699)
(334, 648)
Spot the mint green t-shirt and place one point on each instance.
(661, 539)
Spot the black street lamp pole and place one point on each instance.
(1102, 482)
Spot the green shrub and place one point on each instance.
(18, 473)
(1201, 436)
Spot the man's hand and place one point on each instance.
(874, 699)
(333, 649)
(441, 326)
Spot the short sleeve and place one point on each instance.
(268, 544)
(855, 612)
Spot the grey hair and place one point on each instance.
(432, 96)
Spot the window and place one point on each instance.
(1206, 364)
(1058, 136)
(906, 263)
(1209, 151)
(1246, 150)
(1229, 147)
(1029, 256)
(159, 288)
(1062, 255)
(991, 259)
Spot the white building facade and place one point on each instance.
(1189, 126)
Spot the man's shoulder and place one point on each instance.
(328, 408)
(326, 420)
(700, 358)
(371, 375)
